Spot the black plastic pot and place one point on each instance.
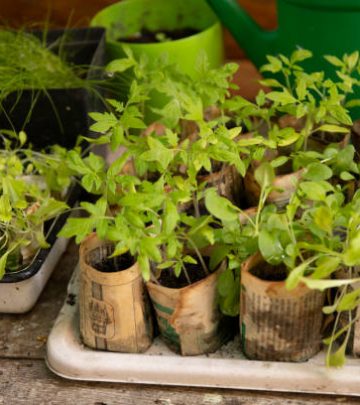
(60, 115)
(54, 226)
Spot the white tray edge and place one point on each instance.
(68, 358)
(20, 297)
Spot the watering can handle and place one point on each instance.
(256, 42)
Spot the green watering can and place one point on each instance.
(326, 27)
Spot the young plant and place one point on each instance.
(32, 191)
(300, 105)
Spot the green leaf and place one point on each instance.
(296, 274)
(313, 191)
(5, 209)
(157, 153)
(22, 138)
(317, 171)
(218, 254)
(270, 247)
(323, 218)
(274, 65)
(117, 166)
(171, 217)
(333, 128)
(144, 266)
(351, 255)
(229, 292)
(189, 259)
(300, 54)
(325, 266)
(282, 98)
(150, 249)
(279, 161)
(346, 176)
(270, 83)
(3, 259)
(337, 359)
(334, 60)
(78, 227)
(220, 207)
(349, 301)
(120, 65)
(325, 284)
(165, 265)
(265, 175)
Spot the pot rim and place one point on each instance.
(214, 274)
(92, 242)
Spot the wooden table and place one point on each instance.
(24, 378)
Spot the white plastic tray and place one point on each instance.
(67, 357)
(20, 296)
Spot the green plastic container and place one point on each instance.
(130, 16)
(322, 26)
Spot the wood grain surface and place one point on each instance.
(29, 382)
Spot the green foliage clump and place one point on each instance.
(27, 64)
(32, 188)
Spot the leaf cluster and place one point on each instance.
(32, 188)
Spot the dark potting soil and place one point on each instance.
(146, 36)
(268, 272)
(195, 272)
(327, 138)
(114, 264)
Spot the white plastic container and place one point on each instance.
(20, 291)
(69, 358)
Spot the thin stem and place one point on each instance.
(196, 205)
(186, 273)
(202, 262)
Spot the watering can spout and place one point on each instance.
(256, 42)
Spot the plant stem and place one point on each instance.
(196, 205)
(202, 262)
(186, 273)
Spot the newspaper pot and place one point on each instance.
(285, 185)
(277, 324)
(227, 181)
(189, 319)
(58, 115)
(115, 314)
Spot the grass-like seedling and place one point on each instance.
(27, 64)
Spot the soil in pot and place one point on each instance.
(268, 272)
(146, 36)
(194, 271)
(102, 261)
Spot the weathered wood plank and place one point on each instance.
(25, 335)
(29, 382)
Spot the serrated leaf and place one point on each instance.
(334, 60)
(281, 97)
(144, 266)
(333, 129)
(120, 65)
